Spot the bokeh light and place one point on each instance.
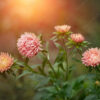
(35, 10)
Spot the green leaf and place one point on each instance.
(42, 82)
(76, 60)
(60, 57)
(91, 97)
(35, 66)
(57, 45)
(54, 38)
(77, 84)
(23, 74)
(20, 63)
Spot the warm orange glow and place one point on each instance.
(23, 8)
(35, 10)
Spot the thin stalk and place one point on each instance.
(26, 60)
(50, 65)
(26, 64)
(43, 74)
(42, 71)
(79, 51)
(66, 56)
(31, 69)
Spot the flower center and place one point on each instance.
(3, 62)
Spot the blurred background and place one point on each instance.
(40, 17)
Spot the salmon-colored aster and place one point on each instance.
(62, 28)
(6, 61)
(91, 57)
(78, 38)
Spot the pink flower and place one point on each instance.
(6, 61)
(62, 28)
(91, 57)
(28, 45)
(78, 38)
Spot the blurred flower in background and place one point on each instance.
(6, 61)
(91, 57)
(78, 38)
(62, 28)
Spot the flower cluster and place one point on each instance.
(29, 45)
(90, 57)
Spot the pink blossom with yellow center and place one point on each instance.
(78, 38)
(62, 28)
(6, 61)
(91, 57)
(28, 45)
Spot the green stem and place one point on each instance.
(50, 64)
(31, 69)
(66, 56)
(26, 60)
(42, 71)
(26, 65)
(79, 51)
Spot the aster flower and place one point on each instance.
(6, 61)
(78, 38)
(28, 45)
(91, 57)
(62, 28)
